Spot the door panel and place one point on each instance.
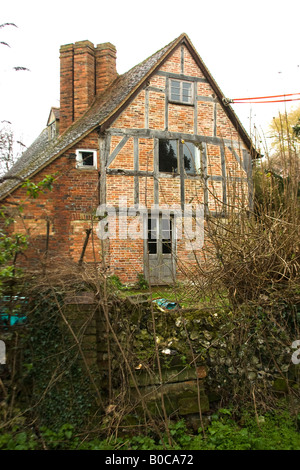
(159, 250)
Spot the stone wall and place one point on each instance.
(181, 376)
(190, 357)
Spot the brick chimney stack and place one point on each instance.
(84, 77)
(84, 72)
(105, 66)
(66, 86)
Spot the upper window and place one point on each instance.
(86, 159)
(181, 91)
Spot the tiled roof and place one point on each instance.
(104, 108)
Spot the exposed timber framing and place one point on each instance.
(156, 172)
(182, 59)
(151, 174)
(206, 98)
(120, 145)
(136, 196)
(215, 119)
(205, 177)
(195, 109)
(147, 107)
(241, 163)
(167, 94)
(182, 175)
(224, 181)
(104, 146)
(157, 134)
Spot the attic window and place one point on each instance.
(181, 91)
(86, 159)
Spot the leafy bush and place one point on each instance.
(273, 431)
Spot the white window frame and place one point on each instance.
(79, 160)
(191, 98)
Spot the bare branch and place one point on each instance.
(17, 69)
(8, 24)
(21, 143)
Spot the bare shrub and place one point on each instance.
(252, 270)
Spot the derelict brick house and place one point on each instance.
(143, 136)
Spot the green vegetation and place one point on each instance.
(269, 432)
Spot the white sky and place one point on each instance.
(251, 48)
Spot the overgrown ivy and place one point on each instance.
(60, 390)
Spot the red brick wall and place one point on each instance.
(70, 207)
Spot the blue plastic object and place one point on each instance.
(11, 311)
(166, 304)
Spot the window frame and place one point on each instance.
(79, 159)
(181, 101)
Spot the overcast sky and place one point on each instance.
(251, 48)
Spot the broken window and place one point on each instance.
(191, 155)
(168, 156)
(86, 158)
(181, 91)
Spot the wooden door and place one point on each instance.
(160, 250)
